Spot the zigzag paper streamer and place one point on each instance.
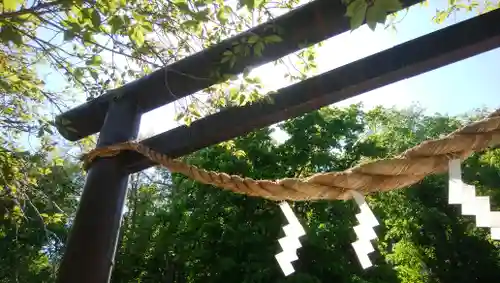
(465, 195)
(290, 243)
(364, 231)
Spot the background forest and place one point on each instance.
(177, 230)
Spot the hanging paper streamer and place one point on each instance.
(290, 243)
(364, 231)
(465, 195)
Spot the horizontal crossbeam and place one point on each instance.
(305, 26)
(406, 60)
(411, 166)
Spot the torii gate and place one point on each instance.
(90, 251)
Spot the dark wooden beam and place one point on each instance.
(409, 59)
(308, 25)
(90, 250)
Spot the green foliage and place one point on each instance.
(177, 230)
(180, 231)
(100, 45)
(37, 201)
(454, 6)
(373, 12)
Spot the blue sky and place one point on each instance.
(468, 84)
(454, 89)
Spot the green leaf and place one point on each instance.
(246, 71)
(9, 34)
(259, 3)
(375, 14)
(232, 61)
(192, 109)
(139, 17)
(88, 38)
(196, 113)
(390, 5)
(95, 60)
(10, 5)
(242, 99)
(272, 38)
(202, 16)
(356, 11)
(233, 94)
(94, 74)
(250, 4)
(182, 6)
(239, 153)
(86, 15)
(69, 35)
(58, 161)
(440, 17)
(222, 16)
(192, 24)
(253, 39)
(136, 34)
(8, 110)
(147, 26)
(116, 23)
(179, 116)
(57, 218)
(187, 120)
(258, 47)
(78, 73)
(96, 18)
(352, 7)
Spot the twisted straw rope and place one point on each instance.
(429, 157)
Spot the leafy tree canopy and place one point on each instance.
(180, 231)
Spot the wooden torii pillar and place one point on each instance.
(90, 251)
(91, 247)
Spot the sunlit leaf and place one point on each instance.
(356, 11)
(136, 34)
(10, 5)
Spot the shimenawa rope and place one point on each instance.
(429, 157)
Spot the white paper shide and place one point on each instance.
(364, 231)
(472, 205)
(290, 243)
